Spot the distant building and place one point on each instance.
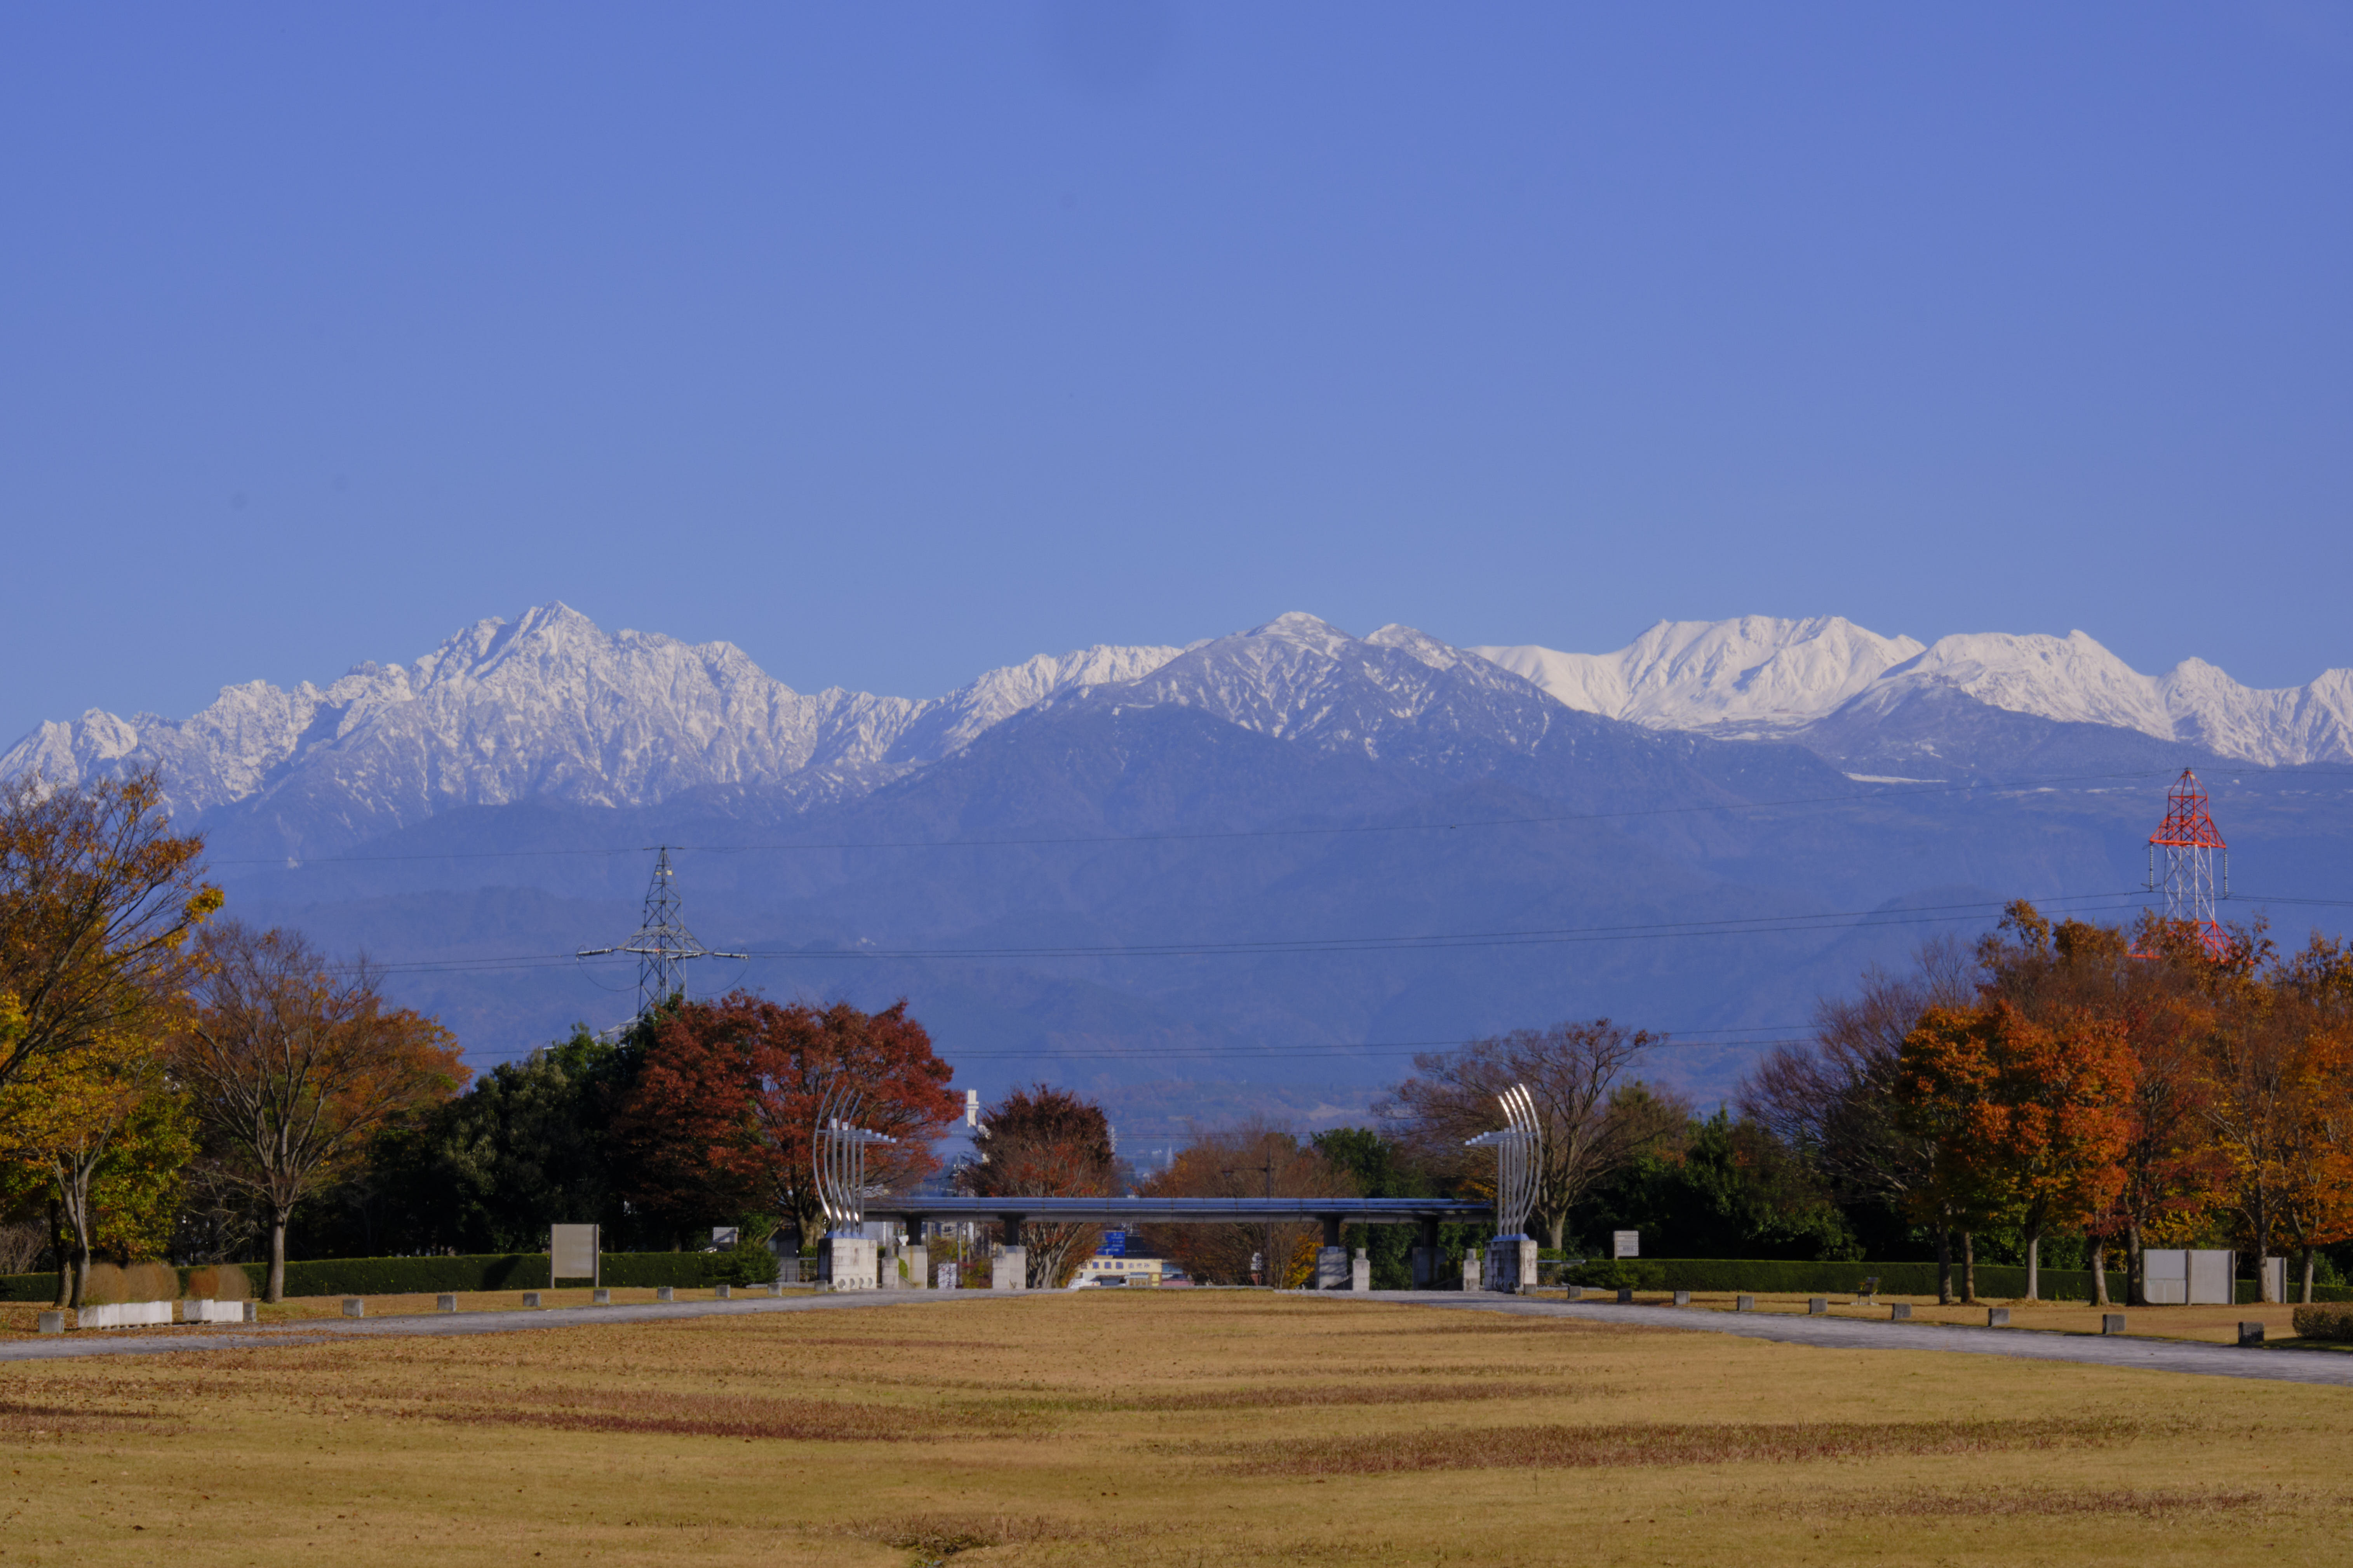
(1122, 1260)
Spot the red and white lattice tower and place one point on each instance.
(2189, 840)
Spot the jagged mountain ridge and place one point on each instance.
(1811, 681)
(547, 707)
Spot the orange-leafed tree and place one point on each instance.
(717, 1124)
(1253, 1159)
(2057, 1122)
(97, 900)
(1043, 1142)
(2315, 1190)
(1945, 1076)
(293, 1065)
(2028, 1118)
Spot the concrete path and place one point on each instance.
(312, 1330)
(2327, 1367)
(1834, 1334)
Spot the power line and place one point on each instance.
(2033, 785)
(1750, 1038)
(1757, 925)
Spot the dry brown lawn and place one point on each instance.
(1205, 1427)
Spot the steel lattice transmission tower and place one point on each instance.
(661, 941)
(2189, 840)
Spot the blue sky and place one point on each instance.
(893, 344)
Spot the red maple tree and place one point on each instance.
(715, 1126)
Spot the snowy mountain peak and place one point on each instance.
(1754, 675)
(1759, 676)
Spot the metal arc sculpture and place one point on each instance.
(1519, 1157)
(838, 1156)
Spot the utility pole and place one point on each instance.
(1266, 1241)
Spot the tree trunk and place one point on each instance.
(1554, 1228)
(2035, 1266)
(73, 1193)
(2307, 1275)
(59, 1251)
(1944, 1266)
(2136, 1274)
(1969, 1269)
(2263, 1247)
(277, 1291)
(2099, 1272)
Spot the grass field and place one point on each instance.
(1155, 1428)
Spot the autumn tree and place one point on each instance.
(2155, 987)
(111, 1134)
(293, 1065)
(2316, 1166)
(1831, 1099)
(97, 900)
(717, 1122)
(1043, 1142)
(1594, 1121)
(1252, 1159)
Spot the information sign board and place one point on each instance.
(1625, 1244)
(572, 1253)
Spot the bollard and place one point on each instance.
(1997, 1317)
(1577, 1292)
(602, 1296)
(1625, 1295)
(353, 1307)
(445, 1303)
(1683, 1298)
(720, 1290)
(1744, 1303)
(253, 1312)
(2112, 1323)
(2250, 1333)
(665, 1293)
(53, 1322)
(1899, 1311)
(531, 1298)
(1818, 1307)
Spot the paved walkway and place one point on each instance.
(1834, 1334)
(312, 1330)
(1848, 1333)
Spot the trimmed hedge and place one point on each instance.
(2001, 1281)
(2332, 1322)
(481, 1272)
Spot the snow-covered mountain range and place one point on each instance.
(1759, 677)
(552, 707)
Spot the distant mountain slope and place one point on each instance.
(1760, 676)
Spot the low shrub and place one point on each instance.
(2333, 1321)
(1618, 1274)
(1774, 1278)
(220, 1282)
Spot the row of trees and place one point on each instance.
(2071, 1080)
(157, 1060)
(697, 1115)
